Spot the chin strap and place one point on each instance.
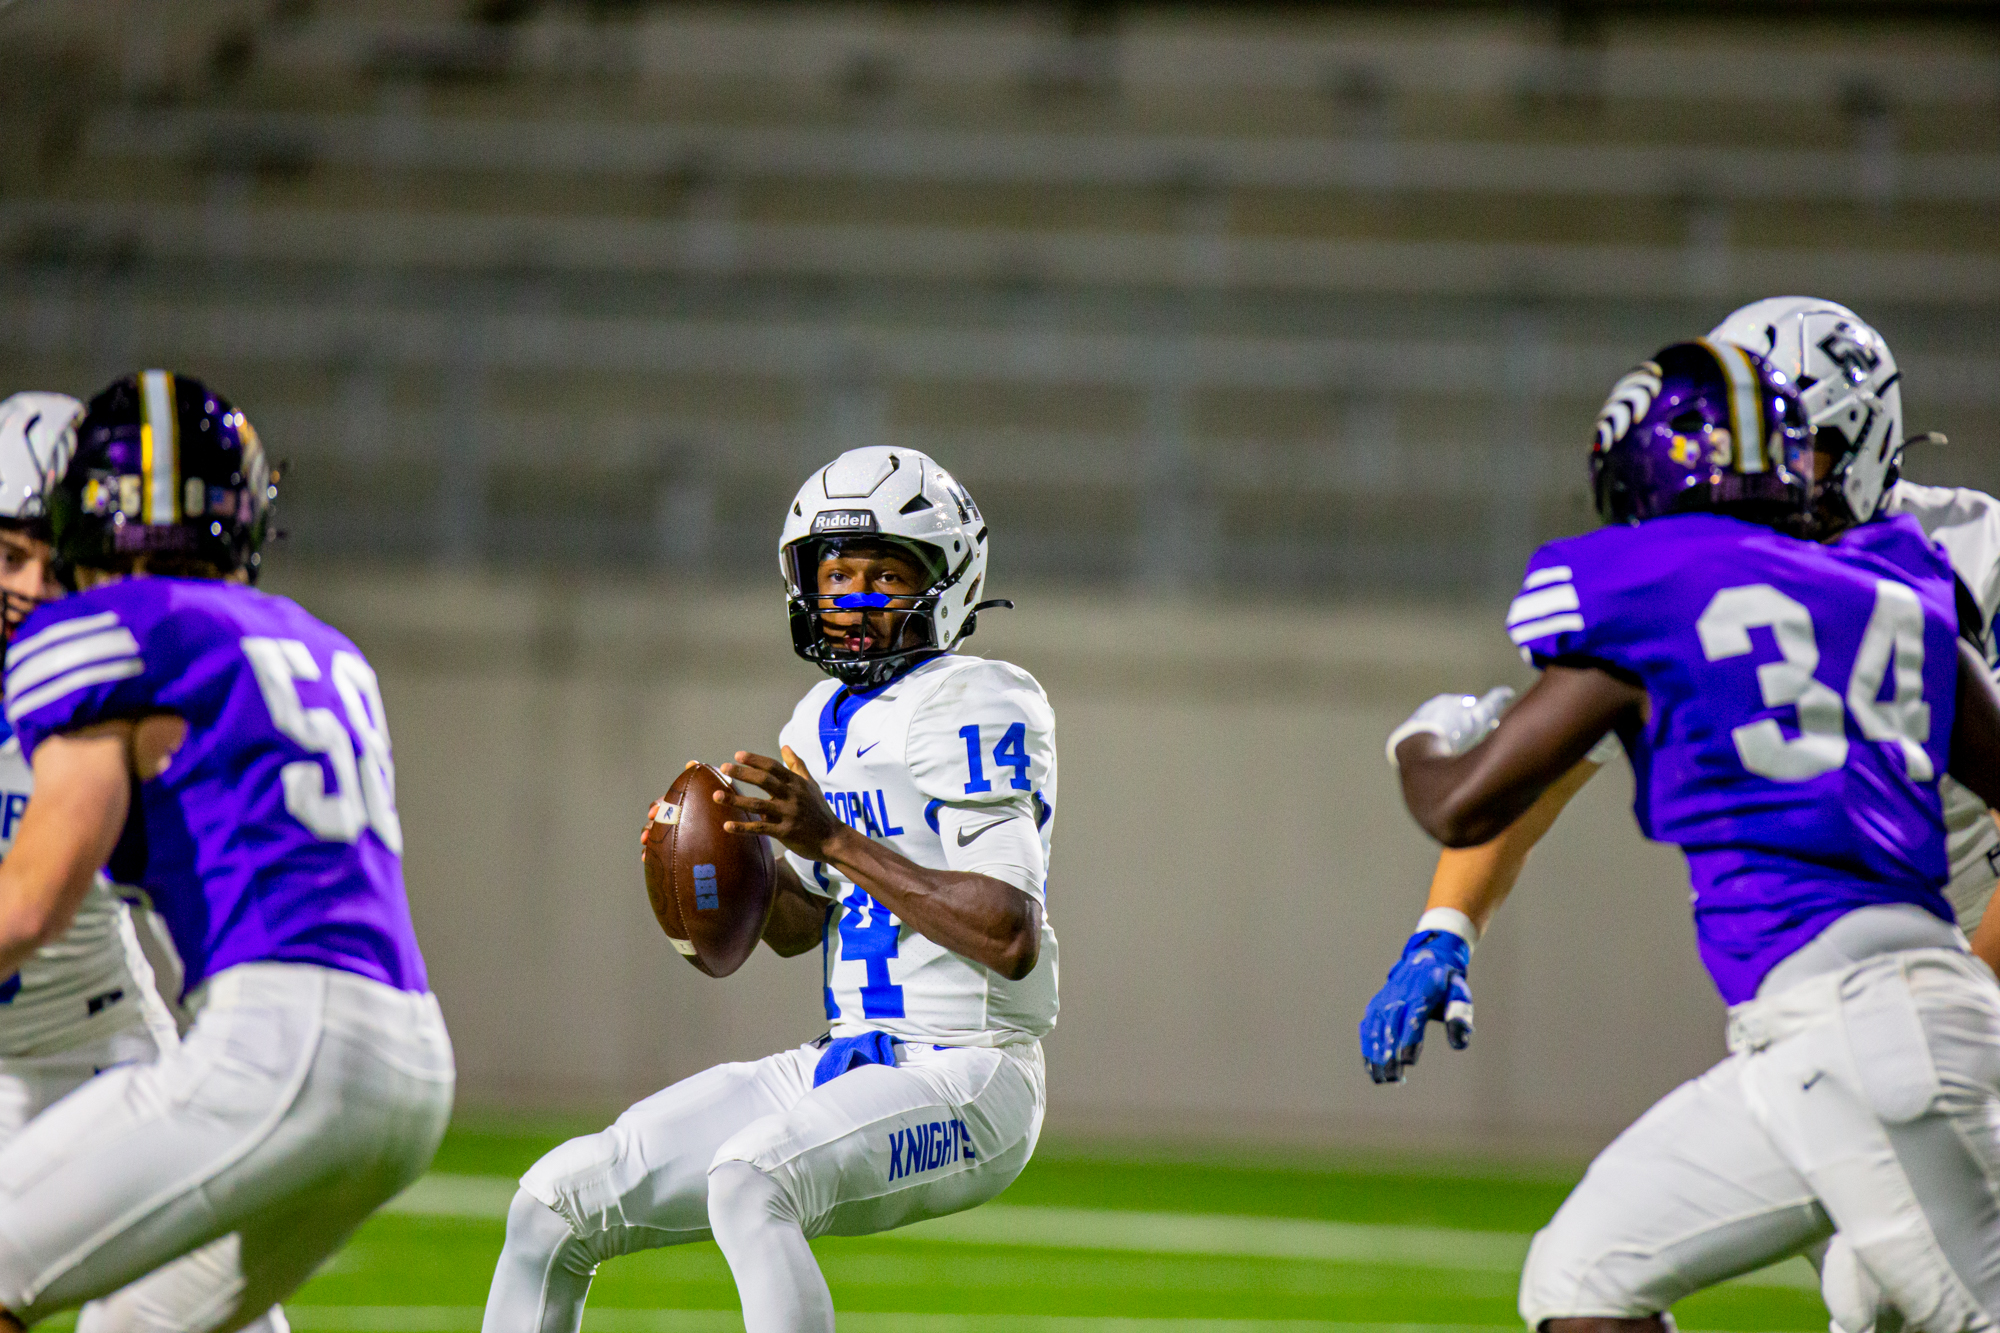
(972, 617)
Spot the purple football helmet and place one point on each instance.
(165, 468)
(1703, 425)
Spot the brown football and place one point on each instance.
(711, 890)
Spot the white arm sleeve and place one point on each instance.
(998, 840)
(983, 748)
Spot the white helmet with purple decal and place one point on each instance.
(1847, 382)
(37, 439)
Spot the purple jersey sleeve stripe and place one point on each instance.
(23, 649)
(1541, 629)
(102, 646)
(82, 678)
(1546, 602)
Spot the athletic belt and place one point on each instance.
(1807, 987)
(1866, 932)
(845, 1053)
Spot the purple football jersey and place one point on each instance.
(1800, 710)
(272, 836)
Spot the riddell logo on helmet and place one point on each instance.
(844, 520)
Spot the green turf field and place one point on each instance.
(1085, 1242)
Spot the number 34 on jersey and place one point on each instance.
(1895, 634)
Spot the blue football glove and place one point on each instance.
(1428, 982)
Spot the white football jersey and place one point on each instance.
(1967, 524)
(91, 982)
(954, 765)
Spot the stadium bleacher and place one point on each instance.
(1186, 297)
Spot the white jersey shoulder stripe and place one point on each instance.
(81, 651)
(23, 649)
(76, 680)
(1543, 577)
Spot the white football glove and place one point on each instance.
(1459, 720)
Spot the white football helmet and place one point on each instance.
(883, 496)
(1847, 381)
(37, 438)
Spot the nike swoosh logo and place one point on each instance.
(1808, 1084)
(964, 837)
(866, 748)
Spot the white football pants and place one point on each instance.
(1866, 1099)
(30, 1085)
(755, 1156)
(301, 1100)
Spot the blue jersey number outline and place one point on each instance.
(870, 933)
(1010, 751)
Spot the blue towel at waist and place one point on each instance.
(845, 1053)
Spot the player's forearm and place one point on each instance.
(1463, 800)
(797, 918)
(71, 824)
(975, 916)
(25, 926)
(1452, 799)
(1476, 880)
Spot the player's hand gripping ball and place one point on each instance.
(711, 890)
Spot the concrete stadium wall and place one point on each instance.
(1233, 870)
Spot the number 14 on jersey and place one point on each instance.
(1010, 751)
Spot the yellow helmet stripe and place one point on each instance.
(1746, 410)
(159, 448)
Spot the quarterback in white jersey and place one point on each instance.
(954, 765)
(914, 799)
(80, 1005)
